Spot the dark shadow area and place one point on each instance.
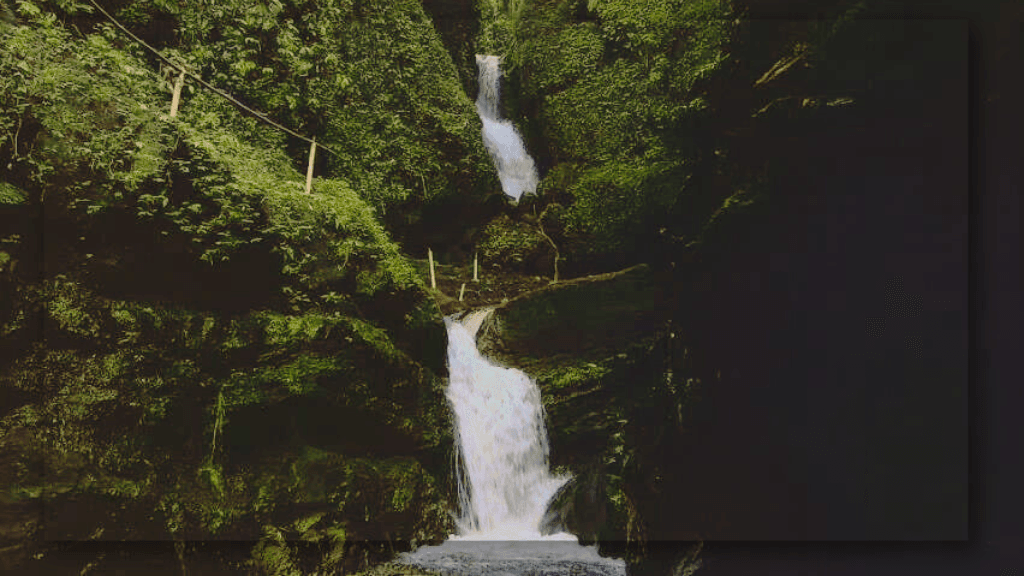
(313, 422)
(839, 320)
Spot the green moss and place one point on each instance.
(66, 307)
(11, 194)
(508, 243)
(573, 377)
(614, 90)
(376, 338)
(289, 330)
(272, 557)
(133, 413)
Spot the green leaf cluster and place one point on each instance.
(370, 80)
(616, 87)
(508, 243)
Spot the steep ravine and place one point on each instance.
(749, 332)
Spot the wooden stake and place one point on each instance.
(462, 291)
(476, 278)
(430, 256)
(309, 169)
(176, 95)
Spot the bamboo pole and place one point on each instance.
(309, 169)
(476, 278)
(462, 291)
(430, 256)
(176, 95)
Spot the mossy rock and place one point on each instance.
(511, 244)
(617, 382)
(586, 318)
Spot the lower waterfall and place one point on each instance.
(504, 482)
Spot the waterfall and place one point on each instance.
(515, 167)
(505, 485)
(504, 482)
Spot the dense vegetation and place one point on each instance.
(609, 90)
(194, 349)
(187, 335)
(371, 80)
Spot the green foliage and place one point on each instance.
(81, 112)
(371, 80)
(132, 401)
(610, 207)
(271, 556)
(616, 85)
(286, 368)
(262, 200)
(10, 194)
(508, 243)
(66, 310)
(574, 376)
(499, 21)
(108, 150)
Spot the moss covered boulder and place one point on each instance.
(584, 318)
(618, 380)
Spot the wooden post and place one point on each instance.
(476, 278)
(176, 95)
(430, 256)
(462, 291)
(309, 169)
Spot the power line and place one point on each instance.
(207, 85)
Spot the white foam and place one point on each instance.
(516, 170)
(504, 482)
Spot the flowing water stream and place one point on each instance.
(504, 481)
(515, 167)
(505, 485)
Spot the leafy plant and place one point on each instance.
(615, 84)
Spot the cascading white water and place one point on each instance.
(515, 167)
(505, 485)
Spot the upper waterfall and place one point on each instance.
(516, 170)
